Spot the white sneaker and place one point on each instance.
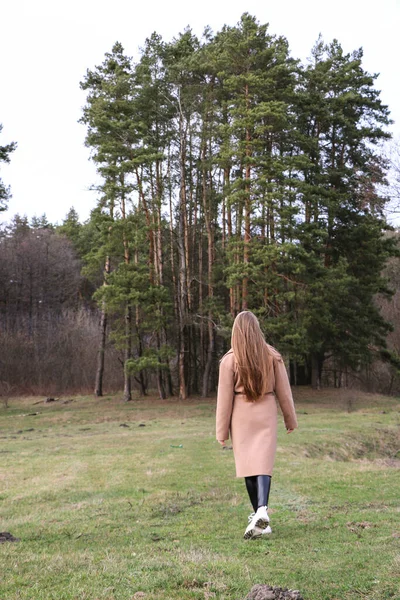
(258, 524)
(266, 531)
(258, 531)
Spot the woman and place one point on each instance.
(251, 375)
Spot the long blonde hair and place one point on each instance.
(251, 354)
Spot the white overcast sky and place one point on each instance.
(47, 45)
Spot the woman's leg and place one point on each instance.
(258, 488)
(263, 488)
(252, 490)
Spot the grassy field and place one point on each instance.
(117, 501)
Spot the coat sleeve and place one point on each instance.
(283, 393)
(224, 398)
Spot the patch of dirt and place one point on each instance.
(209, 589)
(7, 537)
(266, 592)
(357, 527)
(173, 504)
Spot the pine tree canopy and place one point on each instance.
(234, 177)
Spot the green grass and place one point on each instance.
(104, 511)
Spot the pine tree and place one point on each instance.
(184, 93)
(257, 76)
(109, 116)
(341, 119)
(5, 151)
(154, 113)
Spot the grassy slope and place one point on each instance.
(104, 511)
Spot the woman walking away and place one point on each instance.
(251, 375)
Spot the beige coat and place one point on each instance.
(253, 425)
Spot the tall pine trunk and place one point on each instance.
(127, 355)
(210, 263)
(317, 361)
(98, 389)
(247, 215)
(128, 310)
(183, 280)
(207, 208)
(101, 352)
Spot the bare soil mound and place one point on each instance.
(7, 537)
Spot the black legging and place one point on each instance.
(258, 487)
